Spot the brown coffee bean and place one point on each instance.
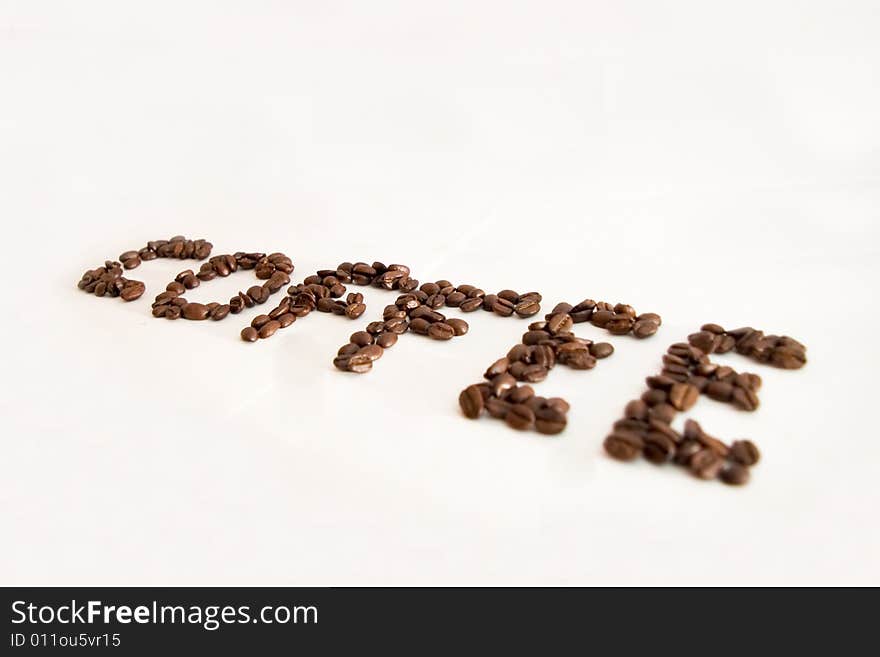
(623, 445)
(360, 363)
(580, 360)
(637, 410)
(471, 402)
(258, 321)
(527, 308)
(355, 310)
(348, 349)
(386, 339)
(361, 338)
(534, 373)
(659, 447)
(503, 307)
(471, 305)
(500, 366)
(703, 340)
(745, 399)
(644, 328)
(372, 351)
(520, 394)
(559, 323)
(601, 349)
(788, 358)
(663, 412)
(132, 290)
(502, 384)
(195, 311)
(520, 417)
(269, 328)
(441, 331)
(458, 325)
(744, 452)
(419, 325)
(706, 464)
(683, 396)
(286, 319)
(549, 419)
(720, 391)
(654, 396)
(734, 474)
(249, 334)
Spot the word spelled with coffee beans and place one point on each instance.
(505, 393)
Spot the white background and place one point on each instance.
(708, 161)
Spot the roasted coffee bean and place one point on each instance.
(623, 445)
(601, 349)
(360, 363)
(458, 325)
(286, 319)
(419, 325)
(534, 373)
(502, 384)
(355, 310)
(173, 312)
(269, 328)
(558, 404)
(706, 464)
(685, 451)
(637, 410)
(470, 305)
(455, 299)
(471, 401)
(520, 394)
(520, 417)
(580, 360)
(372, 351)
(720, 391)
(518, 352)
(527, 308)
(663, 412)
(195, 311)
(683, 396)
(259, 321)
(503, 307)
(744, 452)
(500, 366)
(658, 448)
(549, 419)
(703, 340)
(601, 318)
(745, 399)
(249, 334)
(386, 339)
(654, 396)
(348, 350)
(361, 338)
(489, 301)
(497, 407)
(132, 290)
(734, 474)
(644, 328)
(559, 323)
(441, 331)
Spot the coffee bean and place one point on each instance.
(744, 452)
(500, 366)
(458, 325)
(683, 396)
(286, 319)
(637, 410)
(355, 310)
(706, 464)
(361, 338)
(601, 349)
(559, 323)
(644, 328)
(623, 445)
(249, 334)
(471, 402)
(654, 396)
(527, 308)
(471, 305)
(372, 351)
(501, 384)
(520, 394)
(503, 307)
(258, 321)
(734, 474)
(659, 447)
(386, 339)
(360, 363)
(269, 328)
(195, 311)
(441, 331)
(663, 412)
(497, 408)
(745, 399)
(550, 420)
(520, 417)
(534, 373)
(720, 391)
